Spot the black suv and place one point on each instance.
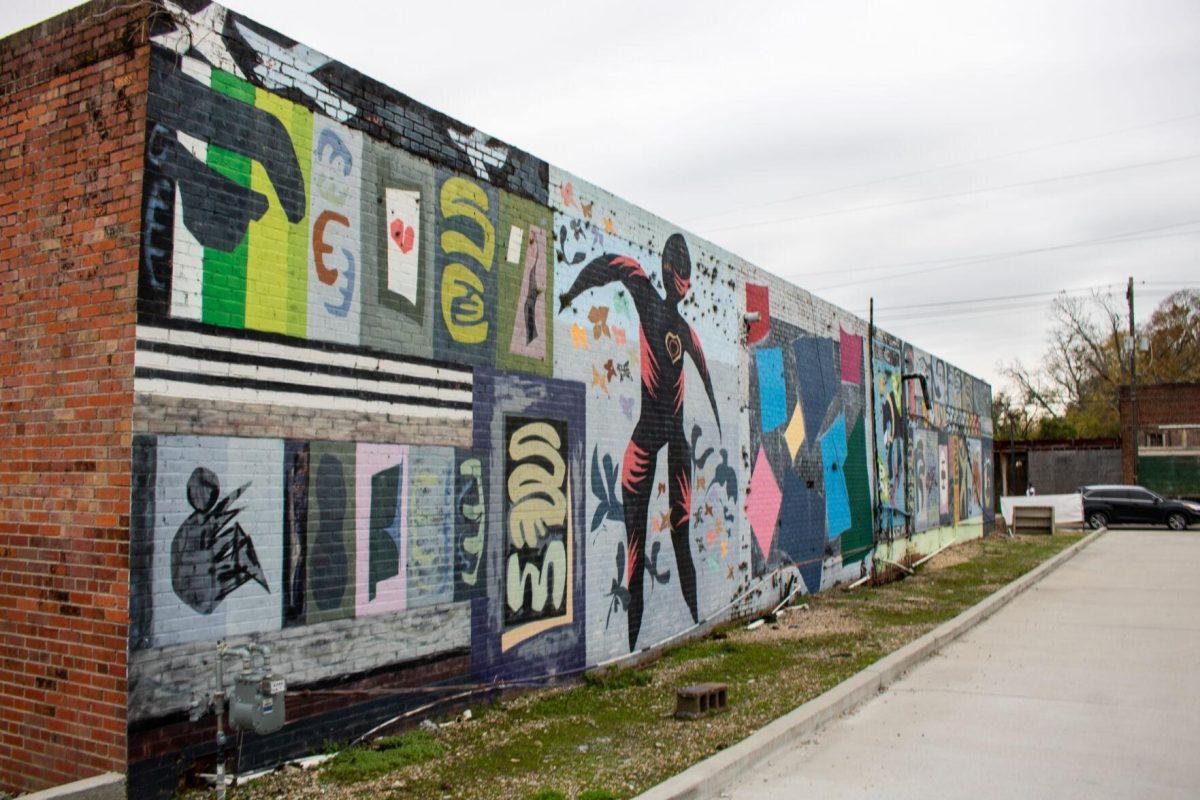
(1134, 505)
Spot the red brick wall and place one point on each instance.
(72, 110)
(1166, 404)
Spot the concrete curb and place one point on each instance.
(707, 778)
(108, 786)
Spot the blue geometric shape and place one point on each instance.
(772, 392)
(833, 455)
(802, 529)
(818, 379)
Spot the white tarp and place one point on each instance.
(1068, 508)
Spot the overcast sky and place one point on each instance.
(822, 139)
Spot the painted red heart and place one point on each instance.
(402, 235)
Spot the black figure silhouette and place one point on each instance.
(665, 338)
(384, 548)
(295, 538)
(330, 566)
(210, 558)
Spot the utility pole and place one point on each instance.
(1133, 409)
(1012, 452)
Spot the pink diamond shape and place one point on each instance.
(762, 506)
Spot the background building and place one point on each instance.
(1168, 438)
(1055, 466)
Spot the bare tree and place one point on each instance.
(1074, 390)
(1079, 377)
(1172, 339)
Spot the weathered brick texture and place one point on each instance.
(72, 116)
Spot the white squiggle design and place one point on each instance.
(282, 67)
(200, 32)
(480, 154)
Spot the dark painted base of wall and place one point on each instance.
(169, 752)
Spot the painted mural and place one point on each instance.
(664, 339)
(530, 619)
(589, 431)
(950, 446)
(647, 321)
(809, 499)
(890, 437)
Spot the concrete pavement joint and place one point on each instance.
(709, 777)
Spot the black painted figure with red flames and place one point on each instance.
(665, 338)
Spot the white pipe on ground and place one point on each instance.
(931, 555)
(895, 564)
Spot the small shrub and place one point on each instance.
(547, 794)
(419, 745)
(389, 754)
(617, 678)
(598, 794)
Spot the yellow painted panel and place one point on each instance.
(276, 268)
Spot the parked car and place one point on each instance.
(1134, 505)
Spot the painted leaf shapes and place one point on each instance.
(604, 487)
(700, 460)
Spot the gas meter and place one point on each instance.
(256, 703)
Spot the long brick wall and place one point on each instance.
(414, 407)
(72, 115)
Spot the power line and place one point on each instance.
(1092, 243)
(934, 315)
(934, 318)
(954, 165)
(958, 315)
(1131, 237)
(1001, 254)
(978, 300)
(964, 310)
(930, 198)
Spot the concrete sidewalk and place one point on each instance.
(1087, 685)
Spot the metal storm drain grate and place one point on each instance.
(696, 701)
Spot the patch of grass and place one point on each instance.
(617, 678)
(728, 659)
(388, 754)
(900, 615)
(598, 794)
(548, 794)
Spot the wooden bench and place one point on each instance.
(1033, 519)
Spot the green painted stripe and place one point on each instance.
(224, 290)
(856, 541)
